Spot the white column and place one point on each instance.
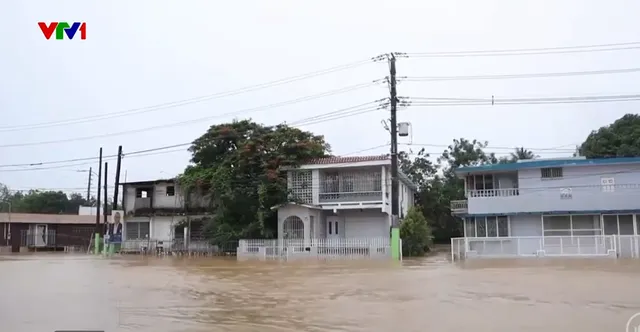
(315, 185)
(384, 188)
(307, 231)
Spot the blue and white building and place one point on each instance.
(550, 207)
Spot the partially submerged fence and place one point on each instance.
(178, 247)
(340, 248)
(554, 246)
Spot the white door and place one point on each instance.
(333, 228)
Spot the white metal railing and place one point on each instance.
(504, 192)
(335, 197)
(320, 248)
(460, 206)
(593, 245)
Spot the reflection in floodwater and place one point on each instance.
(49, 292)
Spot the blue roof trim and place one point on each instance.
(637, 211)
(547, 163)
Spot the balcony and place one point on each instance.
(460, 207)
(362, 185)
(142, 203)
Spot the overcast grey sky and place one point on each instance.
(144, 53)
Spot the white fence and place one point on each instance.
(344, 248)
(539, 246)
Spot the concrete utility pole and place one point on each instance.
(395, 201)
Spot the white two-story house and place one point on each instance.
(342, 198)
(561, 207)
(154, 208)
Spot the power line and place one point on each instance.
(518, 76)
(530, 51)
(185, 101)
(424, 101)
(193, 121)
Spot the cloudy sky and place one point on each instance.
(64, 99)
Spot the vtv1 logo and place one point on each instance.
(62, 28)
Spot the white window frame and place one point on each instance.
(495, 218)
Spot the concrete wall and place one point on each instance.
(160, 199)
(544, 195)
(368, 223)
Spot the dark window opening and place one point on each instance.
(171, 191)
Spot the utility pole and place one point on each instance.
(106, 201)
(393, 99)
(89, 184)
(96, 239)
(117, 183)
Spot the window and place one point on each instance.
(551, 173)
(301, 186)
(336, 228)
(330, 224)
(487, 226)
(136, 230)
(171, 190)
(142, 192)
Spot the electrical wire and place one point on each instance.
(518, 76)
(193, 121)
(424, 101)
(185, 101)
(529, 51)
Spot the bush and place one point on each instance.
(415, 233)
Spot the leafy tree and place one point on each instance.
(415, 233)
(438, 185)
(238, 166)
(419, 169)
(619, 139)
(34, 201)
(522, 154)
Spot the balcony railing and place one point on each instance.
(361, 196)
(504, 192)
(461, 206)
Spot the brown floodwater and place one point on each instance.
(54, 292)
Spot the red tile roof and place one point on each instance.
(343, 160)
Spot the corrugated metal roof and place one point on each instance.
(37, 218)
(344, 160)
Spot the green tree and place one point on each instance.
(619, 139)
(238, 166)
(34, 201)
(522, 154)
(415, 233)
(438, 185)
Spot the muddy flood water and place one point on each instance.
(43, 293)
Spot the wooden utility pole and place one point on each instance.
(117, 183)
(106, 201)
(98, 198)
(96, 238)
(89, 184)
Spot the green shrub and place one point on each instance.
(415, 233)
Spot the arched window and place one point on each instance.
(293, 228)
